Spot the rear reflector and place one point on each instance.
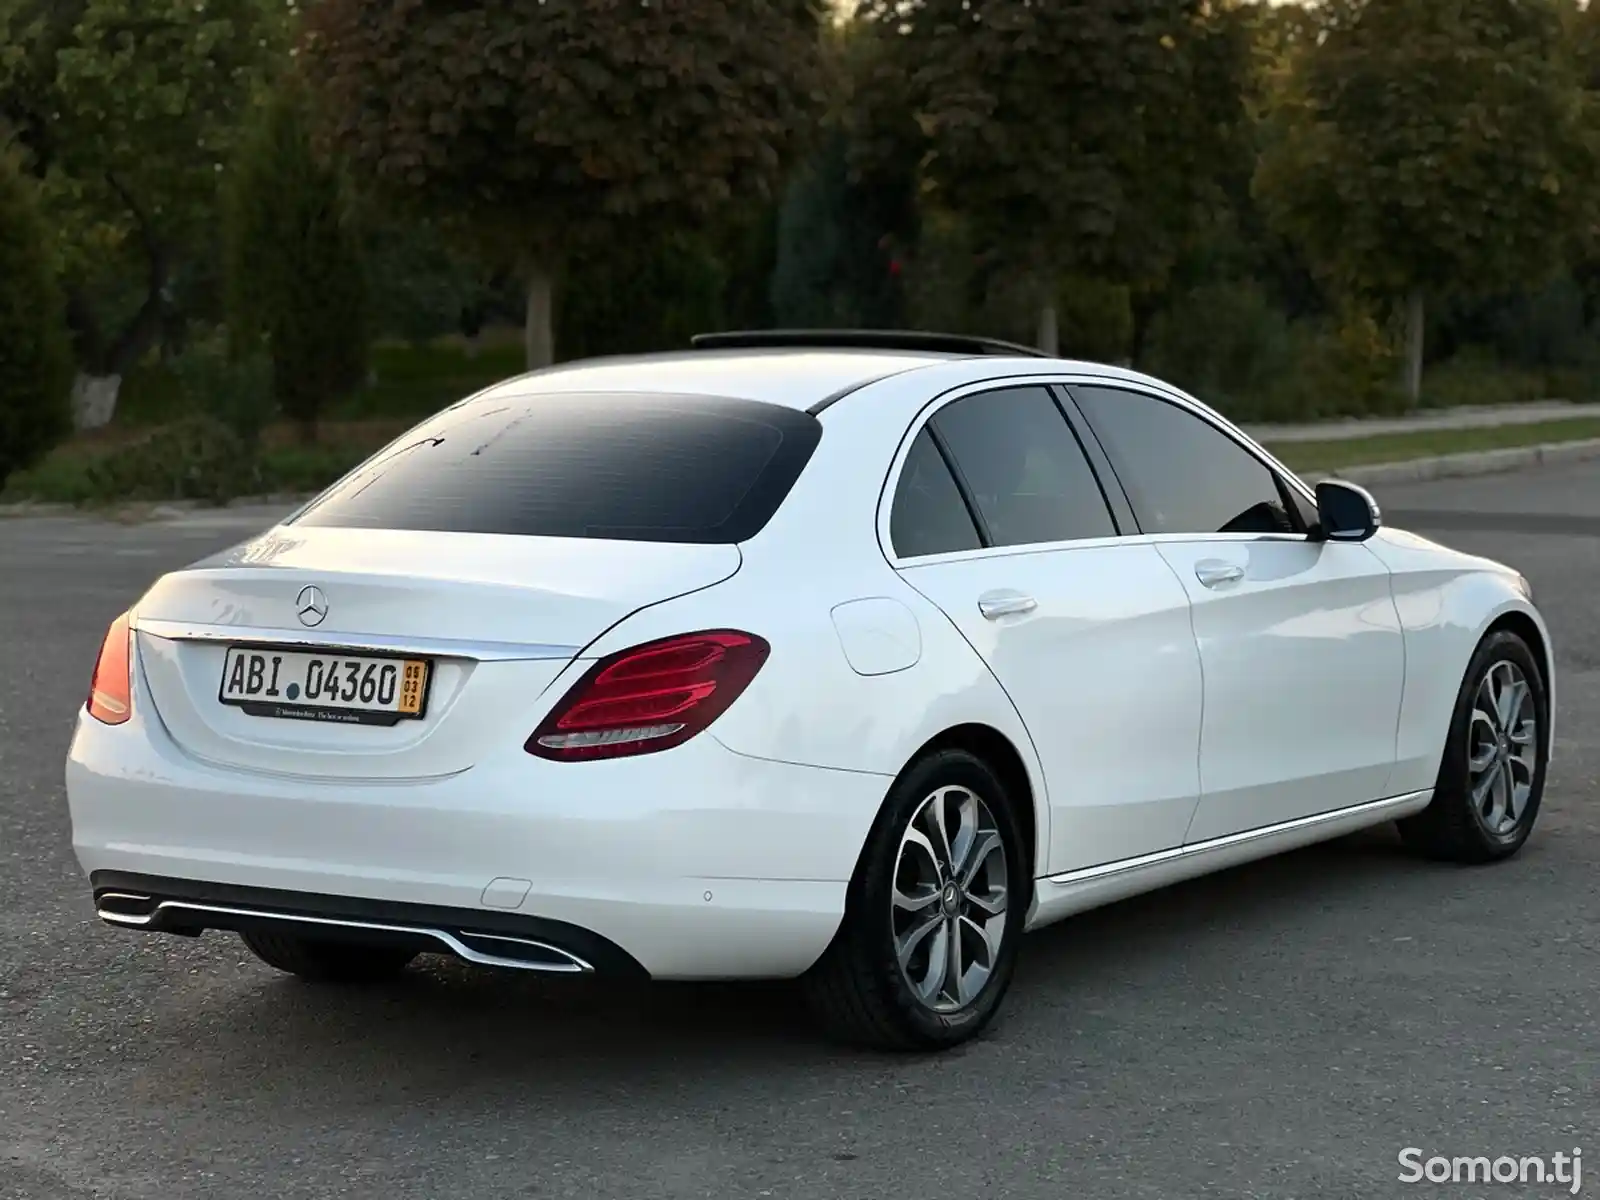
(111, 686)
(651, 697)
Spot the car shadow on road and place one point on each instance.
(448, 1027)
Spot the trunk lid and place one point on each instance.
(497, 617)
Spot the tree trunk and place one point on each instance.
(1416, 316)
(94, 399)
(1049, 339)
(538, 334)
(102, 364)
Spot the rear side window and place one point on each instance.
(929, 516)
(646, 468)
(1023, 467)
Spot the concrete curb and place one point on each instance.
(1461, 466)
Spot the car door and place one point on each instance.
(998, 519)
(1300, 640)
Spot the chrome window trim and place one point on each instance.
(1067, 379)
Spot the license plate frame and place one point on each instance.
(281, 708)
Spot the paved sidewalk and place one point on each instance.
(1425, 422)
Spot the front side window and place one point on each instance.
(1181, 473)
(1023, 469)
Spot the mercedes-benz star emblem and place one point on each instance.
(312, 605)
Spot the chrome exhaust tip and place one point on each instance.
(125, 908)
(500, 950)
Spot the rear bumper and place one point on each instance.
(696, 863)
(499, 939)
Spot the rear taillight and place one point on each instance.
(111, 686)
(651, 697)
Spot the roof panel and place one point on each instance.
(794, 378)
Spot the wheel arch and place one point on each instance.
(1532, 631)
(994, 748)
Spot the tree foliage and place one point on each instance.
(295, 270)
(33, 350)
(1072, 138)
(1432, 147)
(548, 124)
(837, 264)
(127, 110)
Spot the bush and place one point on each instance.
(419, 285)
(35, 370)
(1095, 320)
(644, 293)
(952, 286)
(1230, 346)
(835, 266)
(197, 458)
(1227, 344)
(236, 391)
(295, 269)
(1475, 377)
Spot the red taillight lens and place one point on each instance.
(650, 698)
(111, 686)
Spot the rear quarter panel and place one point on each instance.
(1447, 600)
(808, 705)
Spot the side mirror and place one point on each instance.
(1345, 512)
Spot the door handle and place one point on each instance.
(1212, 573)
(995, 605)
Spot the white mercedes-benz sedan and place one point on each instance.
(847, 658)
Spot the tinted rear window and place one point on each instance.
(639, 468)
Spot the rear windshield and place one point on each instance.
(632, 467)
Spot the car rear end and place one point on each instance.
(380, 719)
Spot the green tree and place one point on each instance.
(1431, 148)
(126, 110)
(34, 365)
(1071, 139)
(849, 214)
(548, 126)
(836, 259)
(649, 292)
(295, 269)
(421, 285)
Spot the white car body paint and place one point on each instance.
(1163, 729)
(879, 636)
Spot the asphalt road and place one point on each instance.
(1282, 1030)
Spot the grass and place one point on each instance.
(1400, 447)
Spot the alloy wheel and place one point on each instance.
(1502, 748)
(948, 912)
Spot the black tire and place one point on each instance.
(326, 961)
(857, 989)
(1452, 828)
